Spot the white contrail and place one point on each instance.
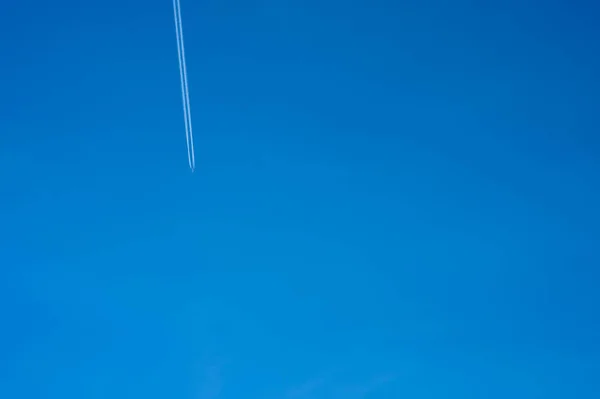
(187, 90)
(185, 112)
(184, 84)
(185, 95)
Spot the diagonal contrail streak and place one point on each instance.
(187, 90)
(185, 111)
(184, 84)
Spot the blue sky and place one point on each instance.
(393, 199)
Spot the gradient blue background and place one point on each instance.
(394, 199)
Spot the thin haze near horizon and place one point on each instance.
(392, 199)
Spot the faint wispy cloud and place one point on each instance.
(212, 382)
(360, 391)
(305, 389)
(325, 386)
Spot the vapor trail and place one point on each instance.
(187, 90)
(189, 136)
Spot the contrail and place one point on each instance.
(187, 90)
(185, 112)
(185, 93)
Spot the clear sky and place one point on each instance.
(393, 199)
